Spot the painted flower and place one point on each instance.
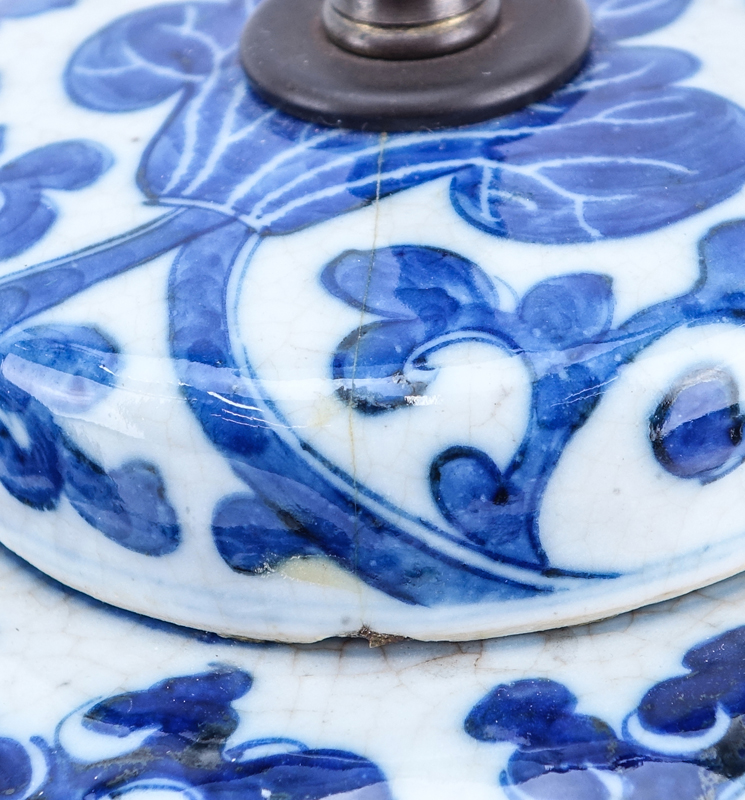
(684, 740)
(26, 211)
(173, 740)
(50, 372)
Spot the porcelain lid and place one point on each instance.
(283, 381)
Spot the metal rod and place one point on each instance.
(408, 29)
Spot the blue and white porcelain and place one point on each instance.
(114, 476)
(282, 381)
(99, 703)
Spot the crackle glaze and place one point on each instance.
(100, 703)
(282, 381)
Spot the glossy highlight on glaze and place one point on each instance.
(624, 149)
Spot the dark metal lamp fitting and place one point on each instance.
(403, 65)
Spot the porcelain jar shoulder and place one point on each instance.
(285, 381)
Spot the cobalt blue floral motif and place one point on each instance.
(29, 8)
(623, 149)
(58, 371)
(173, 739)
(685, 740)
(27, 213)
(428, 299)
(697, 430)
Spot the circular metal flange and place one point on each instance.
(396, 29)
(536, 47)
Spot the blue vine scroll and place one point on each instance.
(625, 148)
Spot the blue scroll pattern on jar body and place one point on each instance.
(172, 740)
(623, 149)
(684, 740)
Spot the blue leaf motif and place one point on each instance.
(67, 165)
(45, 370)
(144, 58)
(474, 496)
(252, 538)
(531, 713)
(15, 769)
(539, 717)
(66, 368)
(696, 431)
(567, 311)
(690, 703)
(28, 8)
(614, 165)
(194, 708)
(27, 213)
(619, 19)
(153, 528)
(29, 459)
(403, 282)
(684, 740)
(610, 74)
(580, 167)
(172, 739)
(128, 505)
(425, 293)
(722, 284)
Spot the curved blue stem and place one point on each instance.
(43, 286)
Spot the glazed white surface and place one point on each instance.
(401, 705)
(609, 507)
